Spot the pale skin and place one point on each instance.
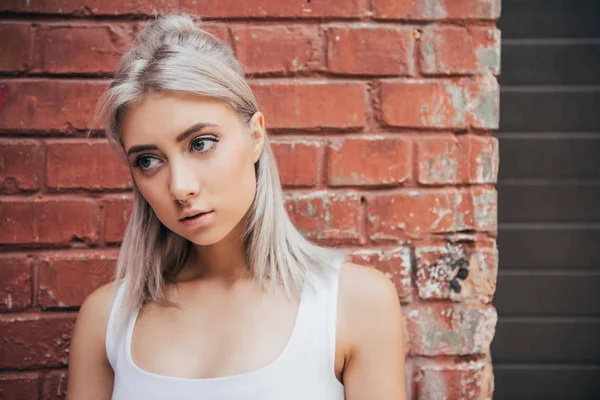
(198, 149)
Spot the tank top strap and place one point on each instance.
(316, 345)
(113, 333)
(332, 310)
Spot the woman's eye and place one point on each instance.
(146, 163)
(203, 144)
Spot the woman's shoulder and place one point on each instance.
(366, 286)
(367, 302)
(95, 311)
(373, 341)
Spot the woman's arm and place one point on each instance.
(373, 326)
(90, 374)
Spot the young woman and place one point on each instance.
(217, 295)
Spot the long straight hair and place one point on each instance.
(173, 54)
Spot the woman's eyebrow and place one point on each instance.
(140, 148)
(181, 137)
(192, 129)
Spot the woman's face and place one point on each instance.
(183, 146)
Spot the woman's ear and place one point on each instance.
(257, 125)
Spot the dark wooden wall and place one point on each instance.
(547, 344)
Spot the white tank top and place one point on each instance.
(303, 370)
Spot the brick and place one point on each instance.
(15, 282)
(54, 384)
(282, 50)
(91, 164)
(75, 48)
(326, 216)
(21, 165)
(16, 47)
(436, 329)
(437, 266)
(459, 50)
(35, 340)
(49, 105)
(369, 161)
(370, 50)
(90, 7)
(272, 9)
(19, 385)
(485, 209)
(415, 213)
(312, 105)
(451, 159)
(437, 379)
(117, 212)
(66, 279)
(298, 161)
(482, 101)
(436, 9)
(395, 263)
(48, 221)
(441, 103)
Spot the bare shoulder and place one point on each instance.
(92, 319)
(372, 328)
(368, 304)
(99, 303)
(366, 289)
(90, 374)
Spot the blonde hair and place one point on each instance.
(173, 54)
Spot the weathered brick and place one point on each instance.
(370, 50)
(283, 49)
(485, 209)
(441, 103)
(326, 216)
(49, 105)
(451, 159)
(437, 379)
(16, 46)
(89, 7)
(48, 221)
(35, 340)
(415, 213)
(54, 384)
(272, 9)
(482, 101)
(117, 211)
(395, 263)
(436, 329)
(436, 9)
(298, 161)
(460, 50)
(368, 161)
(77, 48)
(15, 282)
(310, 105)
(19, 385)
(76, 164)
(21, 165)
(66, 279)
(437, 266)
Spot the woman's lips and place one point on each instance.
(197, 220)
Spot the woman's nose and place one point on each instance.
(184, 182)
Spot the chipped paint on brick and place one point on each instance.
(457, 330)
(442, 166)
(486, 170)
(485, 210)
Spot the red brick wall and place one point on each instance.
(381, 114)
